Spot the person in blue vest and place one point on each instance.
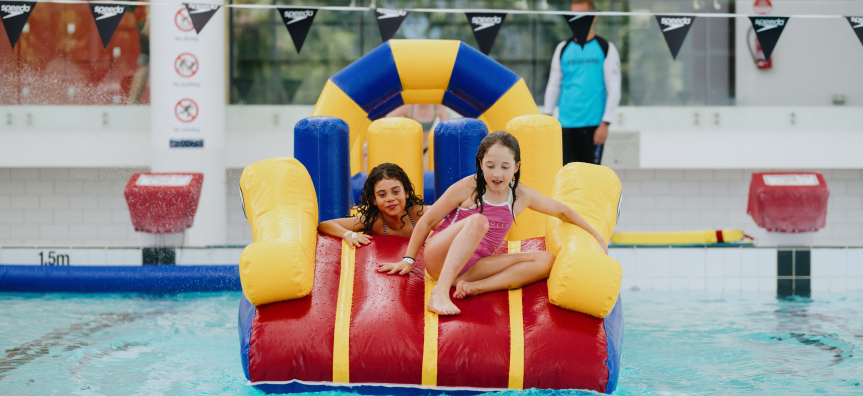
(584, 84)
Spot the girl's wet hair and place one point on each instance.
(367, 210)
(504, 139)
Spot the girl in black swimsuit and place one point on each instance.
(388, 206)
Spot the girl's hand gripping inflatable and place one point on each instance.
(403, 267)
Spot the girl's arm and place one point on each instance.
(345, 228)
(430, 219)
(551, 207)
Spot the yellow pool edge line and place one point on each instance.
(341, 342)
(516, 332)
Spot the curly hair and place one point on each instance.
(504, 139)
(367, 210)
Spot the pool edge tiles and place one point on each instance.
(697, 268)
(730, 269)
(114, 256)
(118, 270)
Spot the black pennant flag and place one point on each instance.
(298, 21)
(14, 15)
(856, 24)
(389, 21)
(201, 14)
(674, 28)
(485, 27)
(580, 26)
(768, 30)
(107, 17)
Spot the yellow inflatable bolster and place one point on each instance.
(399, 141)
(542, 156)
(677, 238)
(584, 278)
(280, 204)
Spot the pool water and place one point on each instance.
(675, 343)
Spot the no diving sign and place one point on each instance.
(183, 21)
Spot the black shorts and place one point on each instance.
(578, 145)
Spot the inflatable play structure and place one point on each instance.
(316, 316)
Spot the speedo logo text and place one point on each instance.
(674, 23)
(199, 8)
(107, 12)
(14, 10)
(385, 13)
(485, 22)
(767, 24)
(297, 16)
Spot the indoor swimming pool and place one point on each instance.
(675, 343)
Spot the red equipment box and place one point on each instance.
(163, 203)
(788, 202)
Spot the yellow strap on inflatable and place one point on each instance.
(516, 332)
(341, 343)
(429, 338)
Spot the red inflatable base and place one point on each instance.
(293, 340)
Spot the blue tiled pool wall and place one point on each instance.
(781, 270)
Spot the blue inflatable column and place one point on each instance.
(456, 143)
(321, 144)
(357, 182)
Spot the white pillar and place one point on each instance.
(188, 96)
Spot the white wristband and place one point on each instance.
(409, 260)
(349, 233)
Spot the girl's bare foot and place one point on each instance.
(462, 290)
(441, 304)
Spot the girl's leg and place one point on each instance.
(446, 254)
(504, 272)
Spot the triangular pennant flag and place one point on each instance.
(201, 14)
(389, 21)
(107, 17)
(485, 26)
(674, 28)
(14, 15)
(856, 24)
(298, 21)
(768, 30)
(580, 25)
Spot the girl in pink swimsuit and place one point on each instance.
(460, 252)
(499, 222)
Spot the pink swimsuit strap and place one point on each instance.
(500, 220)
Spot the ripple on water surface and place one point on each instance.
(675, 343)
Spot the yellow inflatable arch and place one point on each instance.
(401, 72)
